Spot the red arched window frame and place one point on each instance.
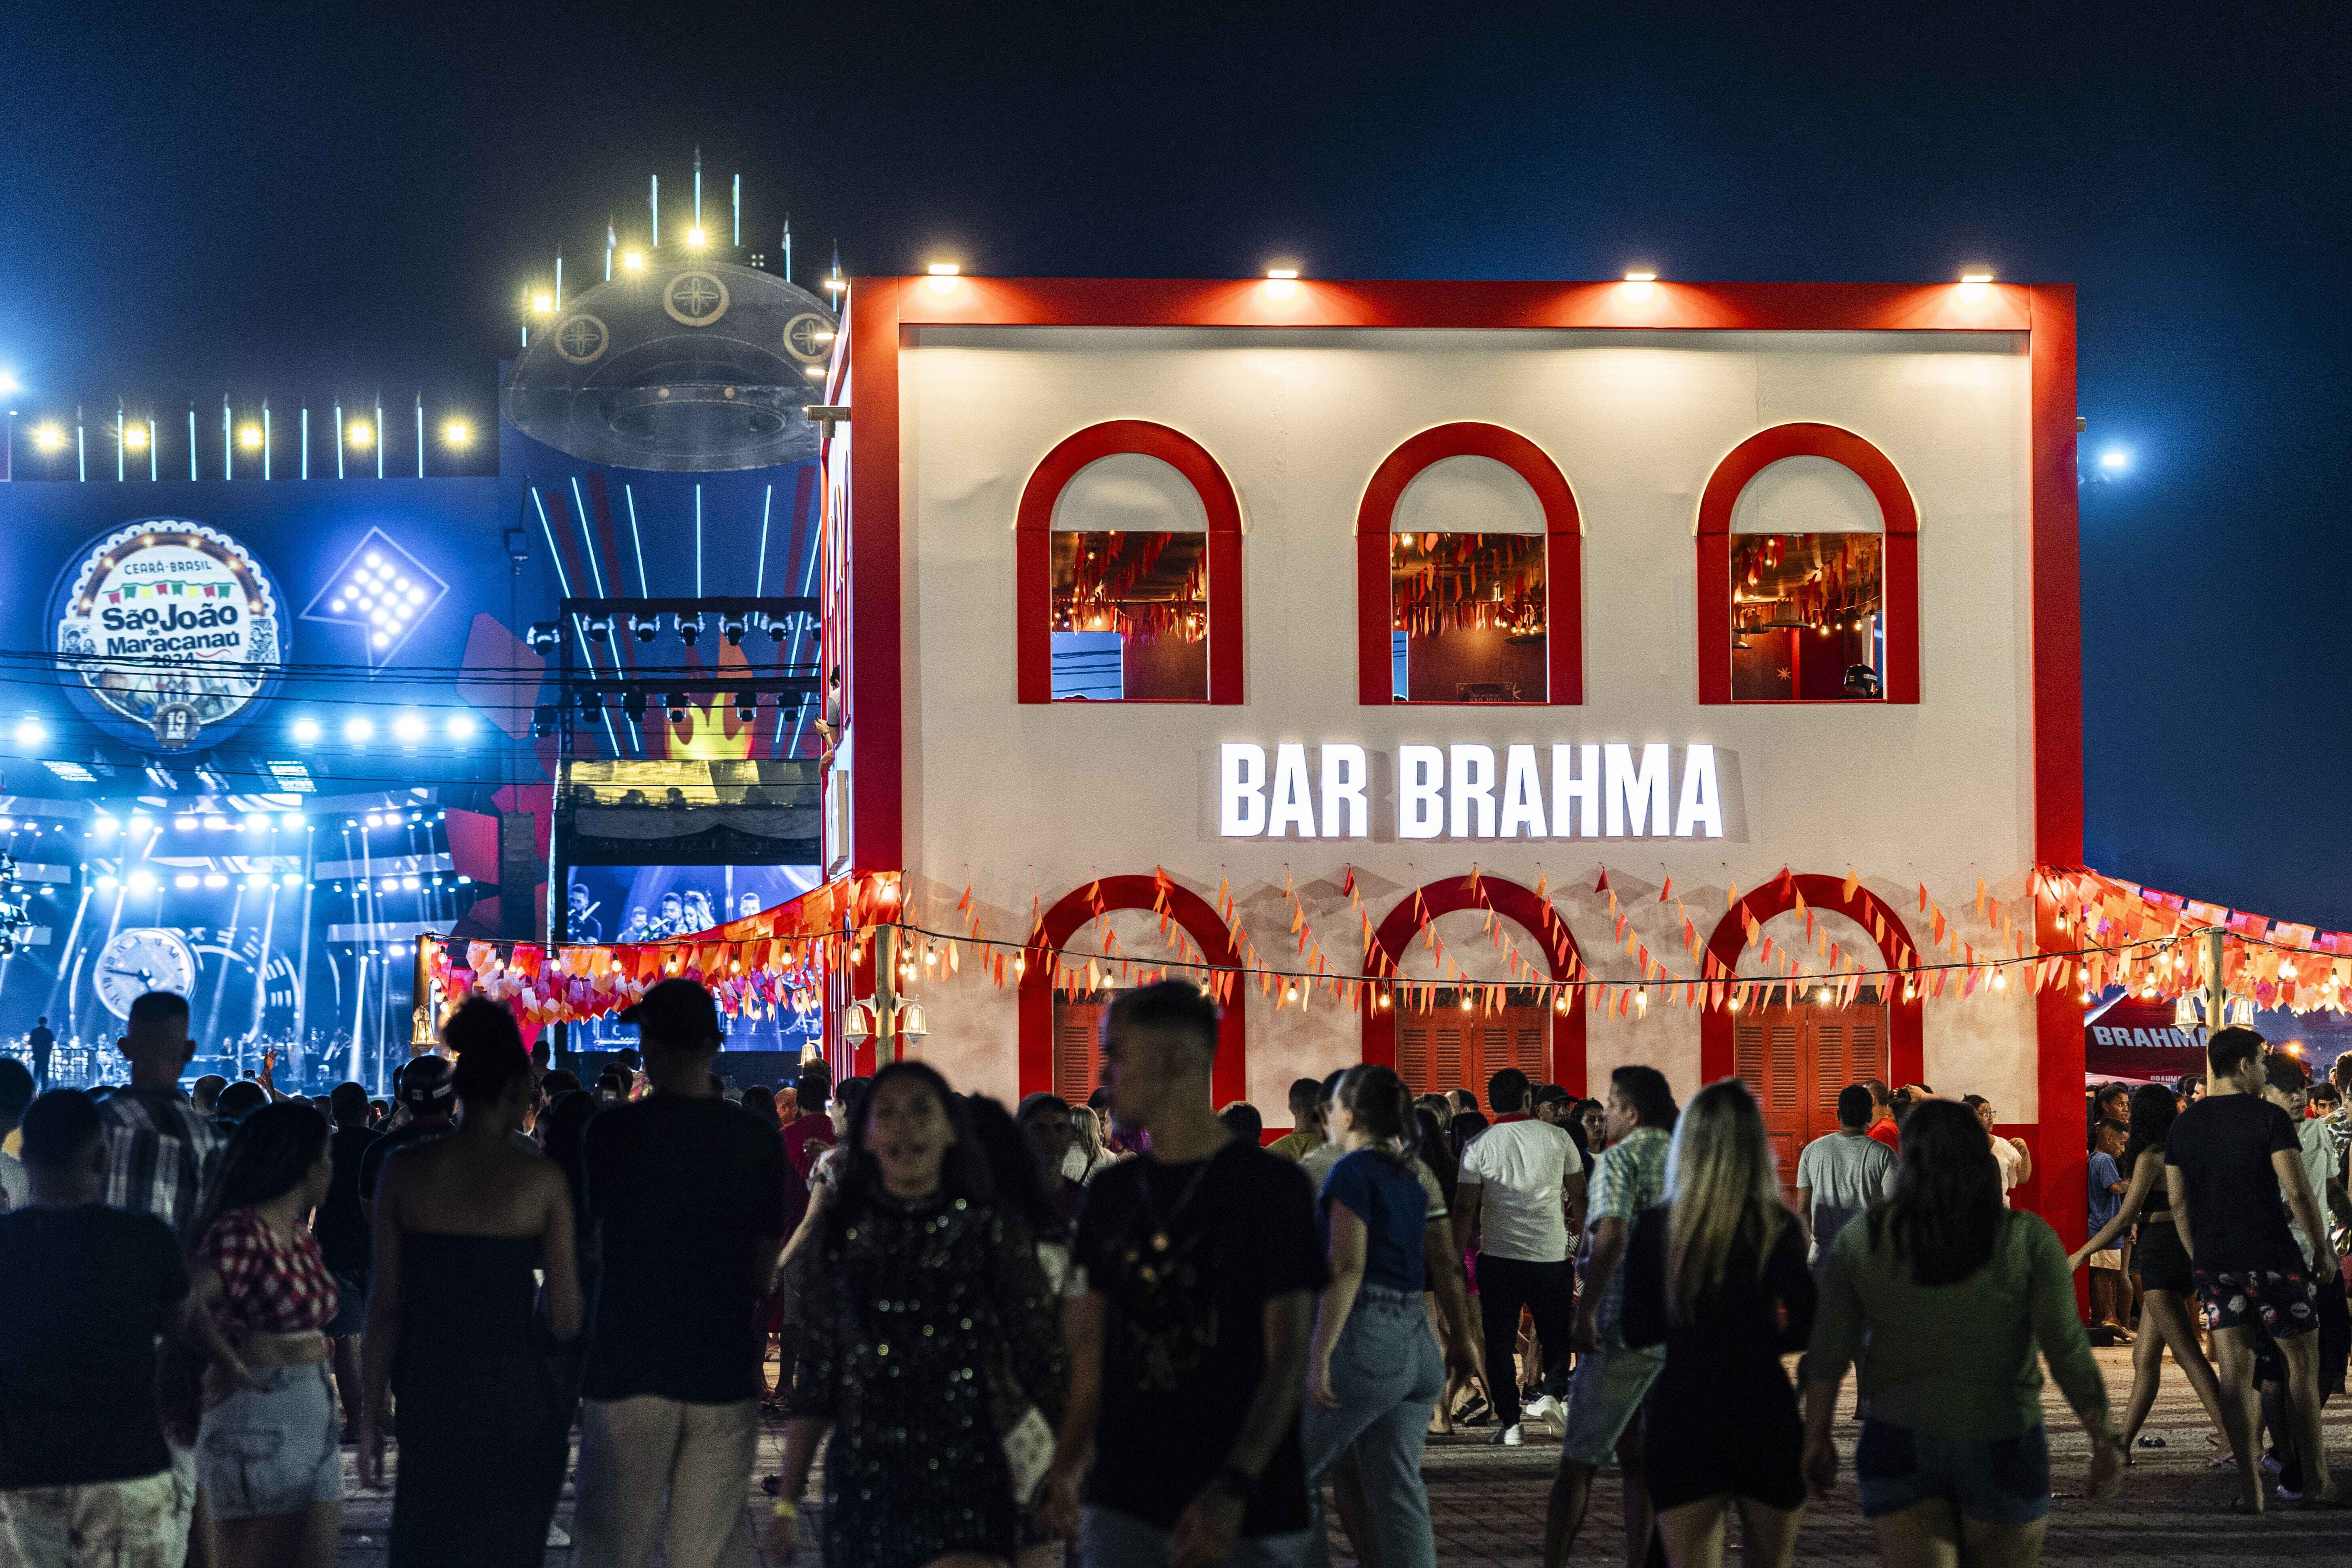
(1905, 1050)
(1563, 556)
(1033, 550)
(1534, 915)
(1229, 1080)
(1896, 507)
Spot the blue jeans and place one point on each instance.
(1388, 1376)
(1997, 1480)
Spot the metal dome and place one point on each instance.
(688, 364)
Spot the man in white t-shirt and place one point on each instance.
(2016, 1161)
(1521, 1178)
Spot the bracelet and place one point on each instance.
(787, 1508)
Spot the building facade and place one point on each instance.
(1461, 675)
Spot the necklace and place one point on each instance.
(1159, 1240)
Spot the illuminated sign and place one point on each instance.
(1608, 790)
(167, 630)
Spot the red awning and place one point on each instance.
(2137, 1039)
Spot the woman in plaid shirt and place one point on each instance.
(268, 1449)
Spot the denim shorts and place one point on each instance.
(1996, 1481)
(1603, 1395)
(272, 1450)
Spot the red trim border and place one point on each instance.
(1563, 555)
(1034, 549)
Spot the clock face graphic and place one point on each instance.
(148, 959)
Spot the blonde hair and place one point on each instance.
(1725, 1188)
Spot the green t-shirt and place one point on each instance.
(1956, 1361)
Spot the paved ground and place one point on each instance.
(1489, 1502)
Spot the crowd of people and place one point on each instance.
(1130, 1325)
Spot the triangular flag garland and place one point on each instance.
(2089, 934)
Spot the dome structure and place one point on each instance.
(686, 361)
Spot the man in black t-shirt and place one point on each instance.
(85, 1291)
(1199, 1265)
(43, 1039)
(685, 1192)
(2227, 1160)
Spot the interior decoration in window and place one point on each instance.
(1468, 618)
(1808, 618)
(1131, 616)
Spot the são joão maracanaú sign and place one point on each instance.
(1606, 790)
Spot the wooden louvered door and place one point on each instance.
(1795, 1060)
(1442, 1046)
(1078, 1045)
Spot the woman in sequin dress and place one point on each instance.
(928, 1332)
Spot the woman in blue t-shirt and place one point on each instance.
(1374, 1372)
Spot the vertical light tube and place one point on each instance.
(118, 420)
(420, 433)
(559, 280)
(739, 211)
(229, 444)
(760, 578)
(339, 440)
(192, 441)
(379, 435)
(657, 203)
(697, 189)
(305, 441)
(265, 437)
(155, 461)
(697, 540)
(81, 448)
(638, 540)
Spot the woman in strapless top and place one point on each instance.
(2165, 1289)
(465, 1225)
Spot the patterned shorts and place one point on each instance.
(2282, 1302)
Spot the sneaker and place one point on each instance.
(1546, 1407)
(1509, 1436)
(557, 1535)
(2286, 1496)
(2271, 1466)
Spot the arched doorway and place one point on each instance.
(1059, 1029)
(1799, 1048)
(1425, 1029)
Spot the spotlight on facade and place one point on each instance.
(305, 731)
(633, 261)
(689, 629)
(544, 637)
(134, 438)
(457, 433)
(732, 628)
(249, 437)
(49, 437)
(643, 627)
(359, 433)
(359, 731)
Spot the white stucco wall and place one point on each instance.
(1026, 804)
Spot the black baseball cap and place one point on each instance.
(677, 1014)
(426, 1084)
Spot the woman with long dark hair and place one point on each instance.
(1373, 1369)
(1944, 1296)
(268, 1445)
(461, 1224)
(930, 1345)
(1716, 1274)
(2165, 1286)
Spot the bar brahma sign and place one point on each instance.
(1467, 790)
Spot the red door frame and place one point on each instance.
(1563, 556)
(1509, 899)
(1229, 1080)
(1905, 1050)
(1897, 508)
(1032, 551)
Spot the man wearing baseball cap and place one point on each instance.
(427, 1090)
(685, 1191)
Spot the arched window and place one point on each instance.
(1469, 573)
(1434, 1042)
(1059, 1026)
(1127, 549)
(1808, 573)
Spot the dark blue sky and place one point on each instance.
(290, 200)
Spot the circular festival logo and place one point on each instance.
(168, 630)
(582, 339)
(807, 338)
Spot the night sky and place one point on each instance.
(306, 200)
